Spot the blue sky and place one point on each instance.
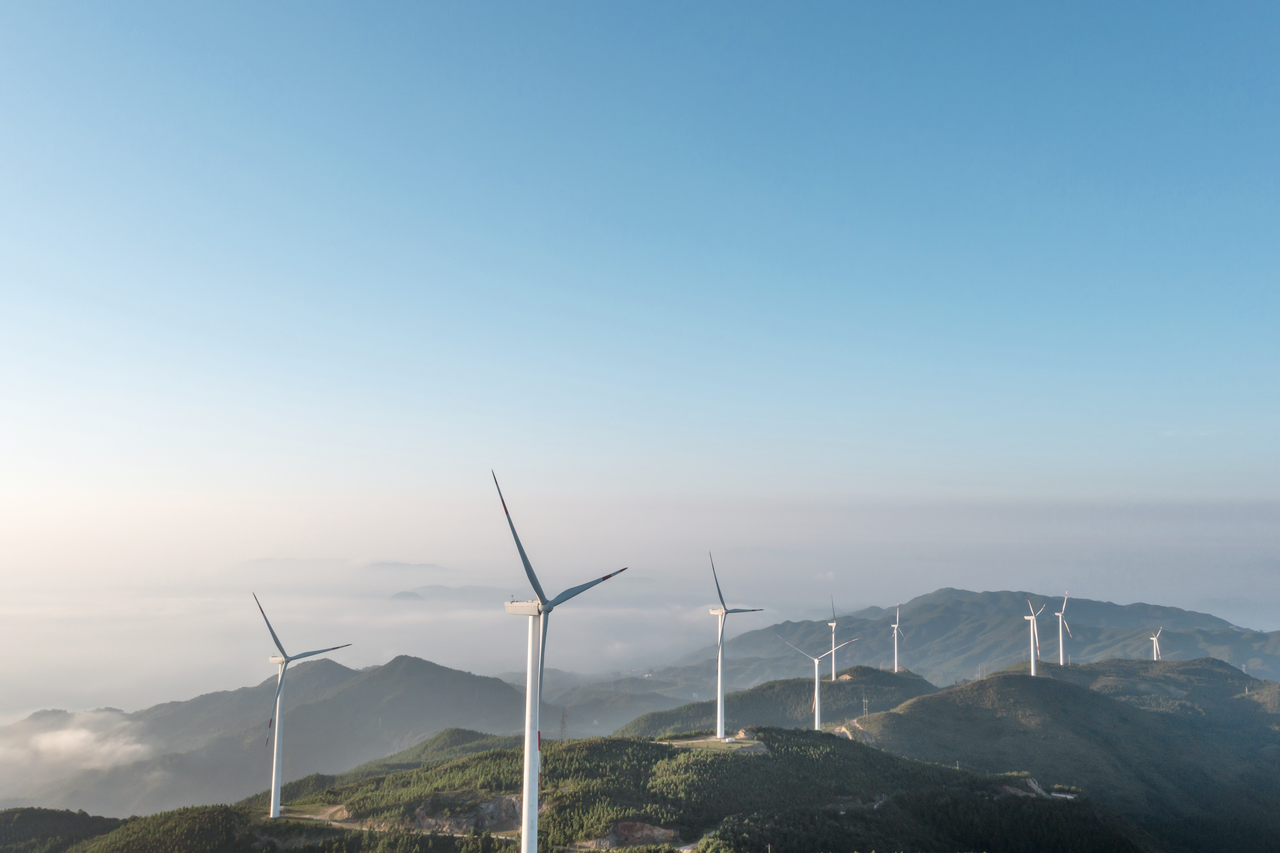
(270, 272)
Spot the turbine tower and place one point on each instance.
(539, 613)
(1062, 623)
(1155, 645)
(817, 680)
(722, 611)
(1035, 634)
(832, 623)
(897, 619)
(282, 660)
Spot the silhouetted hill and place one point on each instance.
(31, 830)
(786, 703)
(1192, 774)
(354, 718)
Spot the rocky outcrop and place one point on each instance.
(630, 833)
(459, 812)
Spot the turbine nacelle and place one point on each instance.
(277, 659)
(526, 608)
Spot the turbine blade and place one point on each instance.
(745, 610)
(1030, 607)
(1041, 610)
(723, 606)
(283, 653)
(1068, 627)
(836, 649)
(833, 608)
(524, 558)
(806, 654)
(581, 588)
(319, 652)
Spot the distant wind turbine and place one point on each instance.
(722, 612)
(1155, 645)
(1062, 623)
(539, 613)
(832, 623)
(817, 680)
(1035, 634)
(897, 619)
(282, 660)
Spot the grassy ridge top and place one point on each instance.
(787, 703)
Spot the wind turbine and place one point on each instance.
(832, 623)
(539, 613)
(722, 612)
(1155, 645)
(1035, 634)
(1062, 623)
(282, 660)
(897, 619)
(817, 681)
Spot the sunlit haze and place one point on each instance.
(866, 300)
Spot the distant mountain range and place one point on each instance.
(212, 748)
(950, 636)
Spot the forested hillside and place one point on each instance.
(1171, 746)
(799, 789)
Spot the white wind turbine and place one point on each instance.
(722, 612)
(1155, 645)
(1035, 634)
(832, 623)
(817, 680)
(282, 660)
(539, 613)
(897, 619)
(1062, 623)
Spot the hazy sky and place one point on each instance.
(869, 299)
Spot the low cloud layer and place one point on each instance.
(52, 744)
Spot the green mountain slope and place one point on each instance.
(449, 745)
(802, 787)
(787, 703)
(1204, 774)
